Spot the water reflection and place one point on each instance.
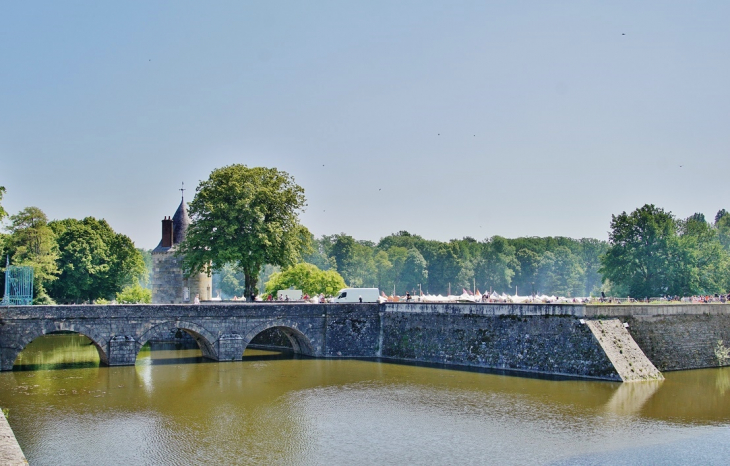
(56, 351)
(173, 407)
(631, 397)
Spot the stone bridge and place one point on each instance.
(621, 343)
(222, 331)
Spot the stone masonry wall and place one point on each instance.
(533, 338)
(680, 341)
(558, 345)
(674, 336)
(167, 279)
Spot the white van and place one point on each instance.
(353, 295)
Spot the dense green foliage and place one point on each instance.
(246, 217)
(72, 260)
(654, 254)
(404, 262)
(94, 261)
(308, 278)
(32, 243)
(134, 294)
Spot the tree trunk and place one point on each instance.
(250, 280)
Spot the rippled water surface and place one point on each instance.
(175, 408)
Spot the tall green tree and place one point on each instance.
(496, 266)
(414, 272)
(705, 265)
(643, 252)
(33, 243)
(723, 231)
(561, 273)
(528, 265)
(247, 217)
(94, 261)
(383, 266)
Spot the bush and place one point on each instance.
(308, 278)
(136, 294)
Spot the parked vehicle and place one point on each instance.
(357, 295)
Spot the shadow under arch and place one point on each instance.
(300, 343)
(48, 328)
(203, 337)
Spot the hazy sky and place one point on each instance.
(446, 119)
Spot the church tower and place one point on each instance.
(169, 285)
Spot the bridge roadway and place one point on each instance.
(536, 338)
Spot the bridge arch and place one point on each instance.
(98, 340)
(300, 342)
(205, 339)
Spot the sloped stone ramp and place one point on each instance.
(628, 359)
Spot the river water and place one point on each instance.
(174, 408)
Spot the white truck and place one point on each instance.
(357, 295)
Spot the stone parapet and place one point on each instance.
(626, 310)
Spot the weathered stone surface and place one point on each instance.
(627, 358)
(677, 342)
(674, 336)
(531, 343)
(546, 339)
(10, 452)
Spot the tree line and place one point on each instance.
(74, 261)
(246, 223)
(246, 230)
(405, 262)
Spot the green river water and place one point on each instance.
(175, 408)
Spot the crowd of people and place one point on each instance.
(494, 297)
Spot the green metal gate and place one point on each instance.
(18, 286)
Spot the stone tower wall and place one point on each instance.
(168, 282)
(167, 278)
(201, 284)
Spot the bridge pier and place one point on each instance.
(230, 347)
(122, 350)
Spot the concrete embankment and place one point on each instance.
(10, 452)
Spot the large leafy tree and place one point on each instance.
(526, 277)
(560, 272)
(33, 243)
(705, 266)
(643, 252)
(94, 260)
(414, 272)
(497, 265)
(247, 217)
(722, 224)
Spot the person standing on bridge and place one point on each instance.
(197, 299)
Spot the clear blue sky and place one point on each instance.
(446, 119)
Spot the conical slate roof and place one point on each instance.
(180, 223)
